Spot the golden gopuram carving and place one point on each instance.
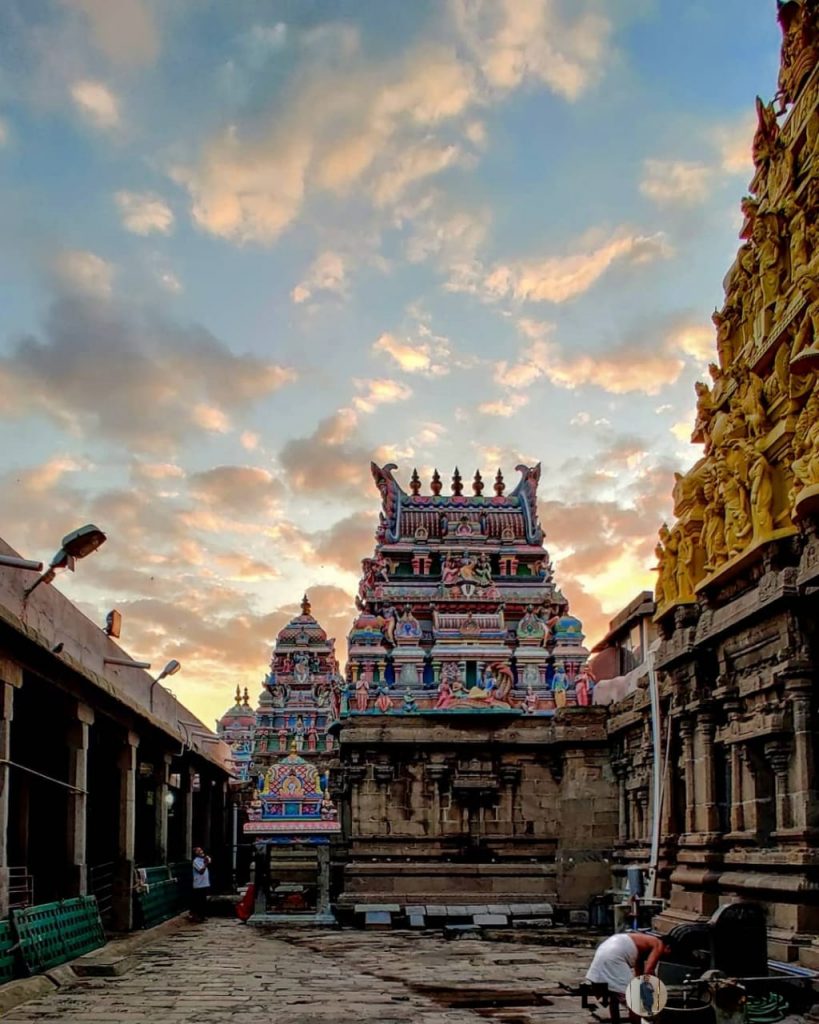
(758, 419)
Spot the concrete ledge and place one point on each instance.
(112, 959)
(14, 993)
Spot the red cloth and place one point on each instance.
(244, 908)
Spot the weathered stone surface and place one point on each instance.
(491, 920)
(224, 973)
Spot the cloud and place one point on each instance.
(346, 542)
(4, 131)
(557, 279)
(329, 461)
(210, 417)
(84, 273)
(379, 391)
(327, 273)
(645, 361)
(126, 375)
(144, 212)
(412, 165)
(249, 440)
(351, 126)
(734, 144)
(504, 407)
(238, 490)
(97, 103)
(169, 282)
(158, 470)
(561, 45)
(123, 30)
(430, 358)
(676, 182)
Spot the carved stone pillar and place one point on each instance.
(778, 753)
(737, 805)
(123, 911)
(750, 811)
(686, 738)
(803, 790)
(641, 799)
(355, 774)
(437, 772)
(509, 775)
(161, 820)
(78, 735)
(620, 768)
(706, 815)
(11, 677)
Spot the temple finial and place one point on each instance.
(500, 484)
(246, 698)
(457, 483)
(415, 483)
(435, 485)
(238, 695)
(305, 606)
(477, 483)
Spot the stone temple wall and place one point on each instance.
(477, 810)
(738, 573)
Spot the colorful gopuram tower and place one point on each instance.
(472, 770)
(295, 703)
(458, 606)
(299, 698)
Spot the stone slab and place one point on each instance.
(414, 911)
(521, 909)
(477, 908)
(376, 908)
(62, 976)
(378, 919)
(417, 921)
(535, 923)
(578, 917)
(544, 909)
(491, 920)
(456, 911)
(103, 967)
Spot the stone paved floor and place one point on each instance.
(226, 972)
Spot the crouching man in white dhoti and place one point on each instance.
(622, 957)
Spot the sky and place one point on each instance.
(245, 248)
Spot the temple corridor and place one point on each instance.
(226, 972)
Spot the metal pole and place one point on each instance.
(657, 778)
(233, 856)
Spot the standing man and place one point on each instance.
(201, 885)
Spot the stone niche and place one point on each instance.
(477, 809)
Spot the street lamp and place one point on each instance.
(76, 544)
(170, 669)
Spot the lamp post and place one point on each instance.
(170, 669)
(76, 544)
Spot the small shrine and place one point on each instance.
(237, 727)
(458, 610)
(292, 819)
